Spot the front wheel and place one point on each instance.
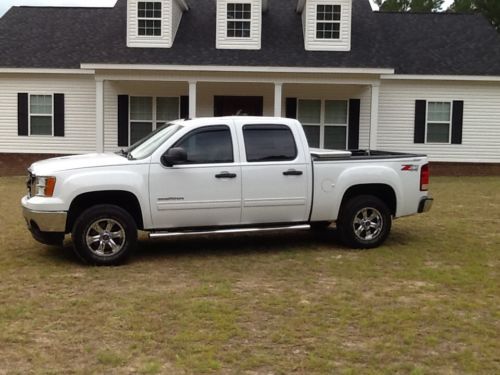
(364, 222)
(104, 235)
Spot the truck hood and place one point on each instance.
(64, 163)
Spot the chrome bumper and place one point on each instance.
(46, 221)
(425, 204)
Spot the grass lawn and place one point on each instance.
(428, 302)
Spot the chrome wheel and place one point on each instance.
(368, 224)
(105, 237)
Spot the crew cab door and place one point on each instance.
(275, 174)
(205, 190)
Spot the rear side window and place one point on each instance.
(269, 143)
(207, 145)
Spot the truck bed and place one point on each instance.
(328, 155)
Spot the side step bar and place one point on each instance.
(226, 231)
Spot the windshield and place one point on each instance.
(147, 145)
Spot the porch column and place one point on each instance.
(375, 88)
(192, 99)
(278, 94)
(99, 114)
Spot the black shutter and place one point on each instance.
(122, 120)
(457, 122)
(22, 114)
(185, 107)
(59, 115)
(420, 114)
(354, 109)
(291, 108)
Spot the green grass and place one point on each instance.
(427, 302)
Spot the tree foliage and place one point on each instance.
(410, 5)
(490, 8)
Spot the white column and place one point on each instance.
(375, 88)
(99, 114)
(192, 99)
(278, 97)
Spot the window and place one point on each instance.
(438, 122)
(325, 122)
(269, 143)
(41, 114)
(238, 20)
(149, 18)
(149, 113)
(208, 145)
(328, 21)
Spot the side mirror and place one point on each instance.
(175, 155)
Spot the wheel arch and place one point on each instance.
(121, 198)
(384, 192)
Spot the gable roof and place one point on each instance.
(57, 37)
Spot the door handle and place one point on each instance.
(292, 172)
(225, 175)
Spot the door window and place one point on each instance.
(269, 143)
(208, 145)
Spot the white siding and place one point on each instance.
(171, 14)
(254, 42)
(481, 126)
(79, 95)
(311, 43)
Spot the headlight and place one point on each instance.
(44, 186)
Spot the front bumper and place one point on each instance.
(425, 204)
(46, 221)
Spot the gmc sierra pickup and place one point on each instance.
(227, 174)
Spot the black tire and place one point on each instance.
(112, 233)
(364, 222)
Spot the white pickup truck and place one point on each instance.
(227, 174)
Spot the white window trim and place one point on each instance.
(438, 122)
(322, 125)
(154, 117)
(327, 21)
(40, 114)
(249, 20)
(150, 19)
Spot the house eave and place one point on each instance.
(439, 77)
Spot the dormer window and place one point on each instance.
(149, 18)
(326, 24)
(328, 21)
(238, 20)
(239, 24)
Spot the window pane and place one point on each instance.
(439, 111)
(141, 108)
(328, 30)
(41, 104)
(149, 27)
(238, 29)
(167, 109)
(336, 112)
(269, 143)
(335, 137)
(310, 111)
(238, 11)
(139, 130)
(438, 133)
(208, 146)
(41, 125)
(149, 9)
(312, 135)
(328, 12)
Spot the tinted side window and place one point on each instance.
(208, 145)
(269, 143)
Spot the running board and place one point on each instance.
(227, 231)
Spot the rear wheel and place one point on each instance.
(364, 222)
(104, 235)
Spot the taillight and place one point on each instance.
(424, 177)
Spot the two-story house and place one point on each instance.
(76, 80)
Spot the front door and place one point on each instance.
(204, 191)
(238, 105)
